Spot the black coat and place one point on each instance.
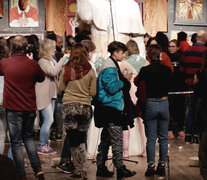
(201, 91)
(129, 112)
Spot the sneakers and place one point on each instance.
(66, 167)
(181, 134)
(170, 135)
(188, 139)
(39, 174)
(124, 172)
(150, 171)
(104, 172)
(46, 150)
(160, 171)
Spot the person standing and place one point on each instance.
(20, 75)
(78, 81)
(57, 126)
(177, 105)
(157, 79)
(182, 41)
(201, 121)
(46, 92)
(108, 112)
(134, 62)
(190, 63)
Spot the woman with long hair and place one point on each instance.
(78, 81)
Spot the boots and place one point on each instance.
(124, 172)
(104, 172)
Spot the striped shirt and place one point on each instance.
(191, 62)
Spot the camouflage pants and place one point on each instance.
(111, 136)
(78, 155)
(76, 116)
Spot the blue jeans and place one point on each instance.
(156, 119)
(20, 125)
(193, 103)
(48, 118)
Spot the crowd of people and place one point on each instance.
(48, 91)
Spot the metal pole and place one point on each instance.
(112, 20)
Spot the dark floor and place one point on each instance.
(179, 154)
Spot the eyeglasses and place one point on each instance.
(172, 46)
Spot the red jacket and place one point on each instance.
(20, 75)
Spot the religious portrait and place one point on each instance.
(190, 12)
(23, 13)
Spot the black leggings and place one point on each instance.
(76, 137)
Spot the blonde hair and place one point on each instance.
(132, 47)
(46, 46)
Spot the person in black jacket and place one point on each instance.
(157, 79)
(177, 102)
(201, 123)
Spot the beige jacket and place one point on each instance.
(79, 90)
(47, 89)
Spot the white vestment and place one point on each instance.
(127, 24)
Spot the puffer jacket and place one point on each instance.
(109, 86)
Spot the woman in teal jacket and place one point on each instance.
(108, 112)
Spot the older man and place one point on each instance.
(190, 63)
(20, 75)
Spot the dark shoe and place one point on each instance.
(66, 167)
(104, 172)
(124, 172)
(58, 137)
(160, 171)
(150, 171)
(39, 174)
(188, 139)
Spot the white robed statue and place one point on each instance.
(111, 20)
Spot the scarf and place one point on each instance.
(72, 74)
